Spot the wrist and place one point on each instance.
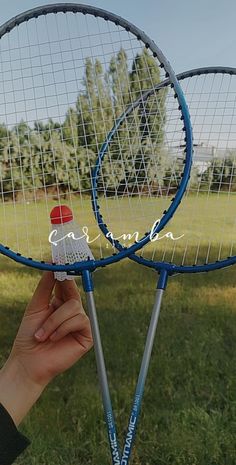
(17, 392)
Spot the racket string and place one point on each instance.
(68, 77)
(206, 216)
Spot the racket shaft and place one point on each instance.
(142, 378)
(102, 375)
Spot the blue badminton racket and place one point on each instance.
(69, 73)
(205, 220)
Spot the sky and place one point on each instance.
(191, 33)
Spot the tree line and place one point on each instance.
(60, 155)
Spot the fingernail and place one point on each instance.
(40, 333)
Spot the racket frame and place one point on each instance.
(79, 267)
(171, 268)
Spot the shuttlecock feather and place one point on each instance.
(68, 242)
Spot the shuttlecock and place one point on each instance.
(68, 242)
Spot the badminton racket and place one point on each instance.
(69, 75)
(204, 228)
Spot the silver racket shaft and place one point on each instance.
(142, 378)
(102, 376)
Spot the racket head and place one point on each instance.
(36, 50)
(173, 146)
(208, 209)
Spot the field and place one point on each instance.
(189, 411)
(205, 224)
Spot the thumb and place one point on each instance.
(42, 295)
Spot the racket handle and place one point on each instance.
(144, 369)
(101, 369)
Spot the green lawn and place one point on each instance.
(205, 219)
(189, 410)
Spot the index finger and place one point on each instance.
(43, 292)
(66, 290)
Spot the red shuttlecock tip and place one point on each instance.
(61, 214)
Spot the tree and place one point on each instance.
(221, 174)
(70, 129)
(4, 145)
(18, 173)
(145, 75)
(94, 108)
(59, 156)
(118, 78)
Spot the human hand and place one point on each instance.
(54, 333)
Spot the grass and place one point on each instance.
(189, 410)
(202, 219)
